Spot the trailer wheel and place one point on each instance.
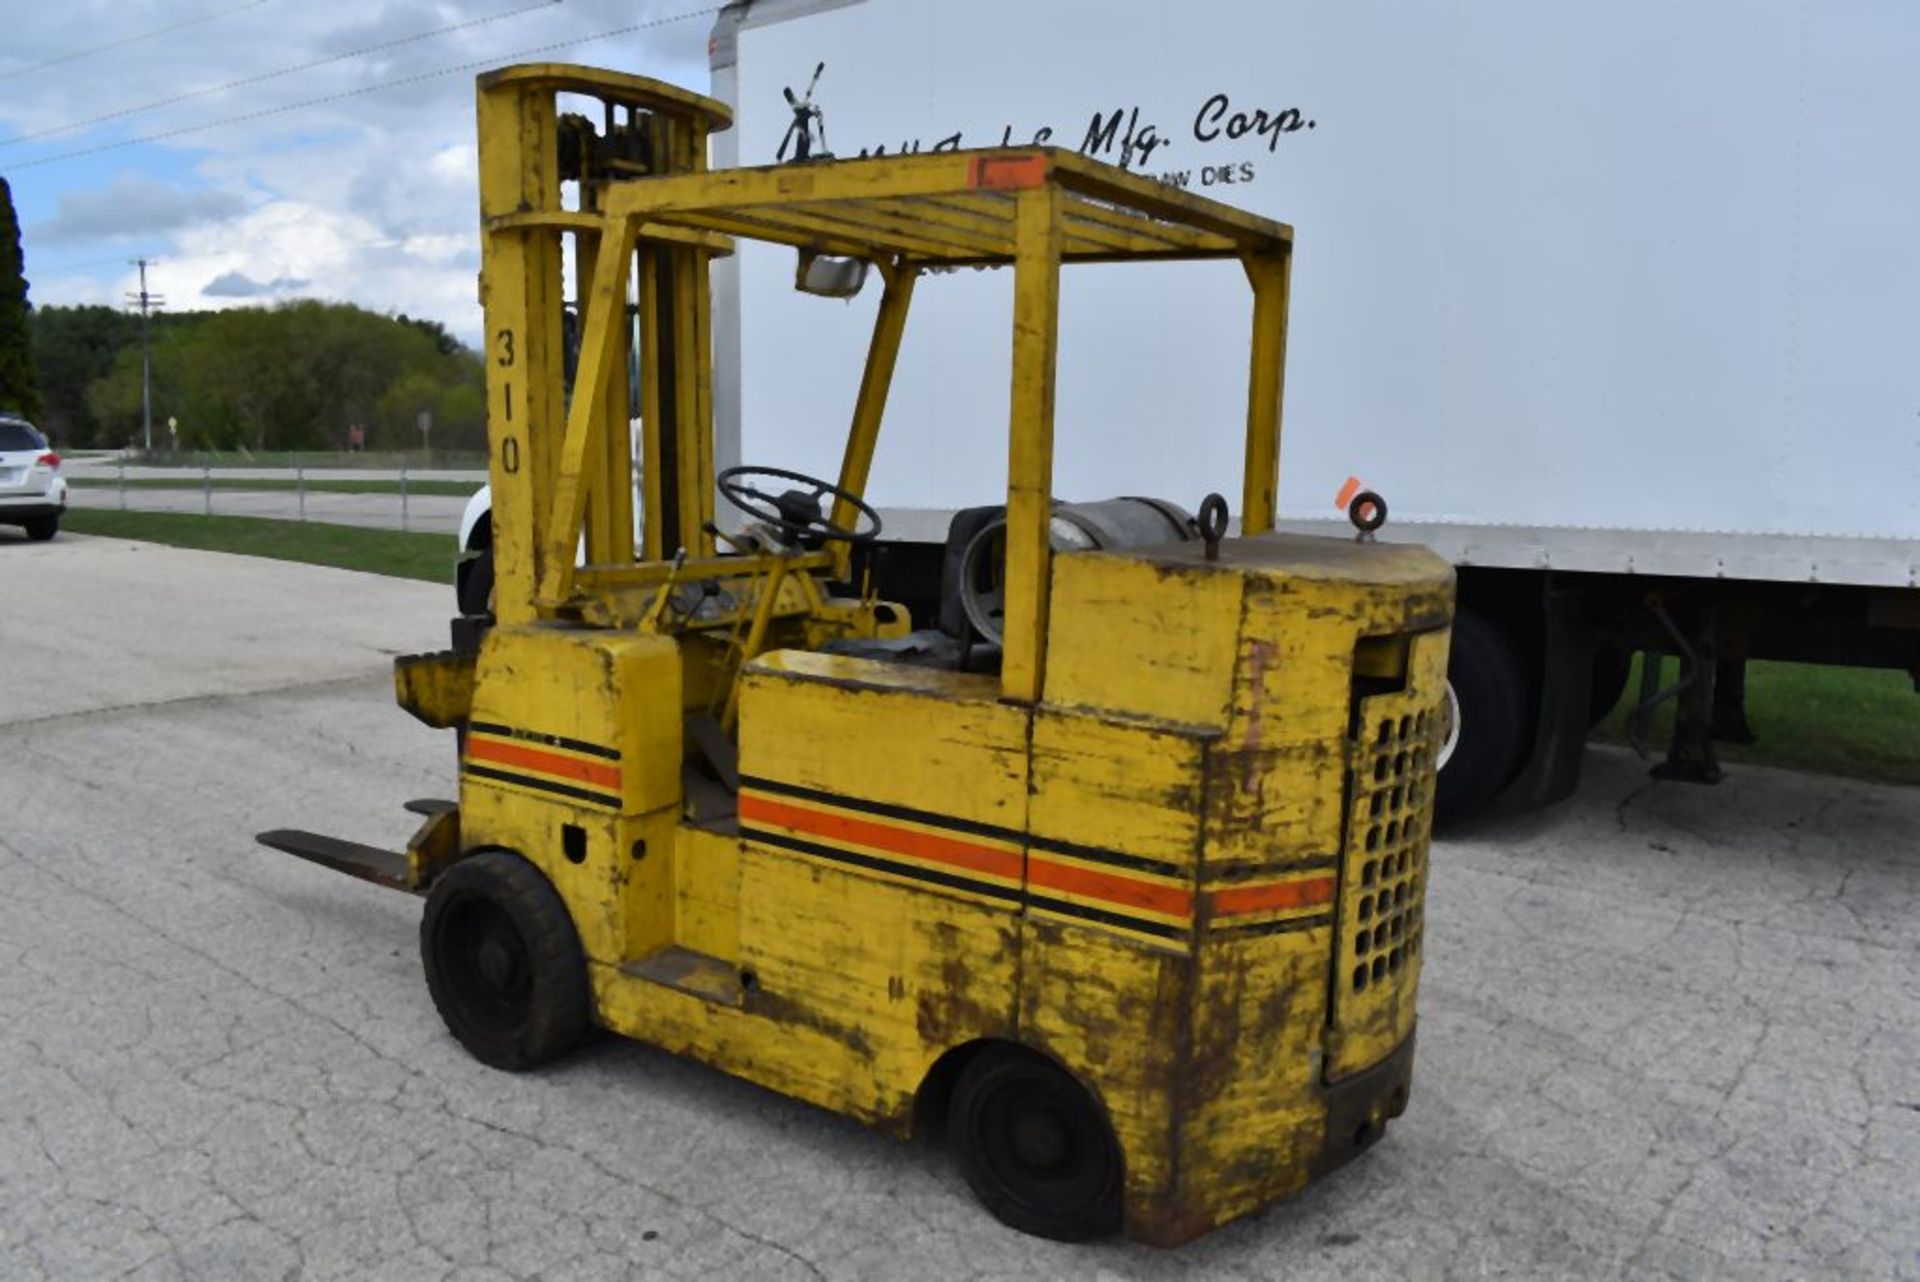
(1484, 723)
(1035, 1147)
(503, 962)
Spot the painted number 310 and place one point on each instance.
(509, 445)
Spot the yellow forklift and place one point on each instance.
(1126, 900)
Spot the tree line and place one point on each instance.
(297, 376)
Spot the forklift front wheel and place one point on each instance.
(503, 962)
(1035, 1147)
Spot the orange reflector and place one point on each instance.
(1347, 491)
(1008, 173)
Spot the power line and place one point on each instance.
(396, 83)
(243, 81)
(124, 41)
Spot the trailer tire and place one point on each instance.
(503, 962)
(1035, 1146)
(1485, 731)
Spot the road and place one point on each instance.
(428, 513)
(107, 467)
(1665, 1031)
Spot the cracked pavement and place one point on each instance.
(1665, 1031)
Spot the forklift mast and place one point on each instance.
(562, 456)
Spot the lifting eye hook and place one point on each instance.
(1213, 524)
(1368, 512)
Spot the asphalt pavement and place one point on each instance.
(426, 513)
(1665, 1031)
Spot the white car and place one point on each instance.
(33, 494)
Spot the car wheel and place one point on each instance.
(503, 962)
(1485, 719)
(42, 528)
(1035, 1147)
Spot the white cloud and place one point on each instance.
(288, 248)
(369, 198)
(133, 206)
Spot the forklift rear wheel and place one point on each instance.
(1035, 1147)
(503, 962)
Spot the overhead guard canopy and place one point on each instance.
(952, 209)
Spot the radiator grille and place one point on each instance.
(1394, 817)
(1383, 871)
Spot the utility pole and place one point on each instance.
(146, 303)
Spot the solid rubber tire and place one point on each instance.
(554, 1014)
(1496, 715)
(988, 1085)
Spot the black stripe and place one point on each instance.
(951, 880)
(552, 740)
(1276, 927)
(889, 811)
(907, 813)
(1232, 874)
(1107, 918)
(1139, 863)
(528, 781)
(955, 882)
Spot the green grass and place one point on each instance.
(1859, 722)
(346, 547)
(460, 489)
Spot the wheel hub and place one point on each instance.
(1039, 1140)
(497, 964)
(1449, 727)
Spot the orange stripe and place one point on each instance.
(901, 841)
(1347, 491)
(599, 773)
(1310, 892)
(1115, 888)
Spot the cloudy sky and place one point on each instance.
(266, 149)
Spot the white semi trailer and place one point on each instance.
(1618, 305)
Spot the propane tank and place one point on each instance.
(1106, 526)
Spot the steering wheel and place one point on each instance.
(796, 512)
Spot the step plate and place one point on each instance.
(709, 978)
